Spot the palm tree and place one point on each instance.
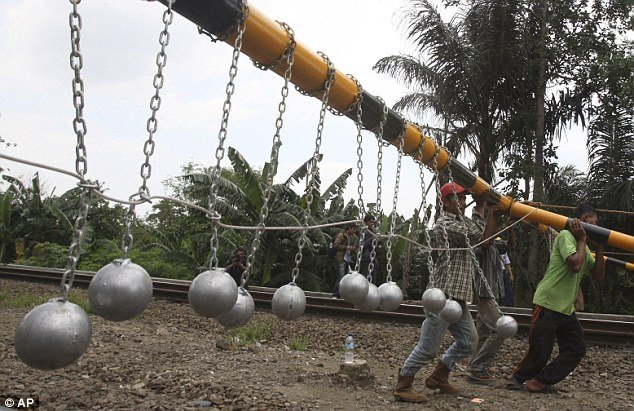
(34, 217)
(468, 72)
(240, 199)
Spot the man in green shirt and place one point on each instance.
(553, 314)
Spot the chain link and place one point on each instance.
(359, 124)
(421, 169)
(379, 180)
(441, 212)
(394, 203)
(81, 156)
(310, 182)
(155, 101)
(222, 136)
(151, 127)
(128, 239)
(275, 149)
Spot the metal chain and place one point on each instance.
(314, 163)
(441, 212)
(275, 149)
(421, 169)
(81, 155)
(394, 203)
(359, 124)
(222, 136)
(379, 179)
(155, 101)
(151, 127)
(128, 238)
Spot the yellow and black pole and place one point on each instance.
(266, 41)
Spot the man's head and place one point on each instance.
(587, 214)
(369, 220)
(454, 198)
(240, 253)
(351, 228)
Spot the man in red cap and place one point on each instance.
(453, 273)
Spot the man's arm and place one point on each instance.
(338, 243)
(575, 261)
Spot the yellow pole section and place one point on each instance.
(265, 41)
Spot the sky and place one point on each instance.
(119, 44)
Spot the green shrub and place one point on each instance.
(299, 344)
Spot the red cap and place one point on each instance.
(449, 188)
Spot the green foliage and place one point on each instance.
(299, 344)
(46, 255)
(157, 261)
(250, 334)
(30, 300)
(22, 300)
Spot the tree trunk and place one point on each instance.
(541, 10)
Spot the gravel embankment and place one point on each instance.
(170, 358)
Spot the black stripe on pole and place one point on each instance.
(372, 109)
(622, 263)
(463, 175)
(596, 233)
(213, 16)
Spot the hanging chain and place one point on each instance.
(81, 160)
(421, 169)
(222, 136)
(379, 180)
(151, 127)
(441, 212)
(313, 166)
(275, 149)
(394, 203)
(155, 101)
(359, 123)
(129, 222)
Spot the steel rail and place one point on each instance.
(601, 329)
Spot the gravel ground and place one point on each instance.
(170, 358)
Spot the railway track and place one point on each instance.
(601, 329)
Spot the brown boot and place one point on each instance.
(439, 379)
(404, 390)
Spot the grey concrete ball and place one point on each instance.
(289, 302)
(452, 311)
(434, 300)
(120, 291)
(240, 313)
(212, 293)
(371, 301)
(391, 296)
(506, 326)
(53, 335)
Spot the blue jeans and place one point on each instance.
(432, 332)
(342, 269)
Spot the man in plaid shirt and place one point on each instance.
(454, 273)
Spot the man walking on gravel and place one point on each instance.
(553, 314)
(454, 275)
(489, 288)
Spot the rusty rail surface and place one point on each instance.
(600, 329)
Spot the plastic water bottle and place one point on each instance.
(348, 348)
